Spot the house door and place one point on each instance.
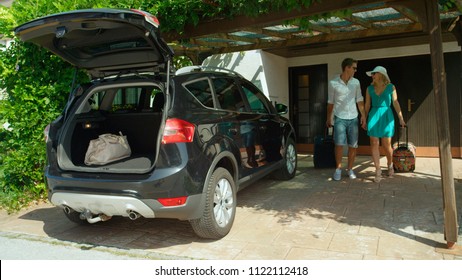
(308, 101)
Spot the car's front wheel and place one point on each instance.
(220, 206)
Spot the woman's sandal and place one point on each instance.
(378, 176)
(391, 171)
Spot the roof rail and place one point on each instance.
(200, 68)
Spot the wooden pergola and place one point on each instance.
(369, 24)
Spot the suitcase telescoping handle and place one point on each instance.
(329, 132)
(407, 134)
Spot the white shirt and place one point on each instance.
(344, 97)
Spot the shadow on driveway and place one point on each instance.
(309, 217)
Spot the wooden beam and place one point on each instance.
(278, 34)
(451, 228)
(456, 29)
(408, 39)
(315, 29)
(405, 11)
(205, 43)
(417, 8)
(229, 38)
(359, 21)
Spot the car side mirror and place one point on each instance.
(281, 109)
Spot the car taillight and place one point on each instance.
(46, 132)
(178, 131)
(173, 201)
(149, 18)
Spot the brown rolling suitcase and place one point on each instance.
(404, 154)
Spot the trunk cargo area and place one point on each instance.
(140, 123)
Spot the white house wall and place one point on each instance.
(270, 72)
(276, 72)
(248, 64)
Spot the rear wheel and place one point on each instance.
(220, 206)
(288, 169)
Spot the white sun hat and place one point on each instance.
(381, 70)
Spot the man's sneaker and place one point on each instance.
(351, 174)
(337, 174)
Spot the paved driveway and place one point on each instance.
(310, 217)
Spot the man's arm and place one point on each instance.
(330, 109)
(362, 112)
(330, 104)
(360, 102)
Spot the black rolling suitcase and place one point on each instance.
(324, 151)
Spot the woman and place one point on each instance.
(380, 95)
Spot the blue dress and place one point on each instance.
(380, 121)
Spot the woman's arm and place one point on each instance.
(397, 107)
(367, 107)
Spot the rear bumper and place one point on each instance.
(110, 205)
(119, 194)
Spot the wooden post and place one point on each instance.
(456, 30)
(442, 119)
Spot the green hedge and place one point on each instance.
(35, 87)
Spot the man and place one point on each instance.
(344, 94)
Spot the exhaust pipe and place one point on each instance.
(87, 215)
(67, 209)
(133, 215)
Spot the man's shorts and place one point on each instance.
(346, 131)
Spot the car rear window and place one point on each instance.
(124, 99)
(228, 95)
(256, 100)
(201, 89)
